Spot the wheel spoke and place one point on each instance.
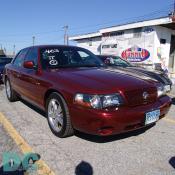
(58, 110)
(55, 115)
(8, 89)
(59, 119)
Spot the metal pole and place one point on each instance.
(14, 48)
(66, 35)
(33, 38)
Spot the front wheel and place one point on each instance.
(11, 94)
(58, 116)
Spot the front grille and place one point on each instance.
(135, 97)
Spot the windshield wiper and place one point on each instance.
(75, 66)
(91, 65)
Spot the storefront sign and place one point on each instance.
(135, 54)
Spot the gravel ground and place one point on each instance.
(150, 152)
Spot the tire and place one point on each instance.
(11, 94)
(58, 116)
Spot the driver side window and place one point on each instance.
(32, 56)
(19, 60)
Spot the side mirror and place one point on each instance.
(29, 65)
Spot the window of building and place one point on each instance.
(90, 42)
(162, 41)
(118, 33)
(137, 32)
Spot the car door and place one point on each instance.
(15, 71)
(30, 78)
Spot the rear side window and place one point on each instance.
(32, 55)
(19, 60)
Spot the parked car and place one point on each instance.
(77, 91)
(124, 65)
(3, 62)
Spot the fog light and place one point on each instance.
(105, 131)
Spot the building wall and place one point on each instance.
(142, 45)
(134, 40)
(162, 50)
(92, 44)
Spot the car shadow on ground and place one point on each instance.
(172, 162)
(173, 101)
(36, 109)
(94, 138)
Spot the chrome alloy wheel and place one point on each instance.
(8, 89)
(55, 115)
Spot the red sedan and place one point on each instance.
(77, 91)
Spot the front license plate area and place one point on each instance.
(152, 117)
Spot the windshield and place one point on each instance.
(116, 61)
(58, 57)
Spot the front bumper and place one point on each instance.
(123, 119)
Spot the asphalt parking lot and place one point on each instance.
(147, 152)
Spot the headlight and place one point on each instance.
(98, 101)
(161, 91)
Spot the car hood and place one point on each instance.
(156, 75)
(100, 80)
(144, 70)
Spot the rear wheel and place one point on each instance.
(58, 116)
(11, 94)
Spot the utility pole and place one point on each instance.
(14, 49)
(66, 38)
(33, 40)
(4, 50)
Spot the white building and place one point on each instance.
(147, 42)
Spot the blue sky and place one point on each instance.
(44, 19)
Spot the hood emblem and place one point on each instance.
(145, 95)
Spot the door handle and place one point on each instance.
(37, 83)
(18, 75)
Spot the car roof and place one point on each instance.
(43, 46)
